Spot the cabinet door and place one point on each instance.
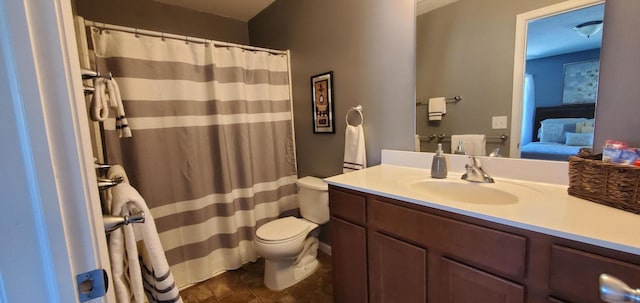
(349, 258)
(397, 270)
(464, 284)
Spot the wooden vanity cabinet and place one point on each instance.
(385, 250)
(348, 247)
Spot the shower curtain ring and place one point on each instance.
(137, 35)
(162, 36)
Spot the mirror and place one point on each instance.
(466, 48)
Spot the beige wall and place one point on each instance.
(370, 46)
(466, 48)
(619, 90)
(150, 15)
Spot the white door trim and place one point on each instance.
(45, 93)
(520, 61)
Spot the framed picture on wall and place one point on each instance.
(322, 103)
(581, 82)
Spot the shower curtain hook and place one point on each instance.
(162, 36)
(186, 39)
(136, 31)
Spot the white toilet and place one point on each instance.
(289, 245)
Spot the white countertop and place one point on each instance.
(554, 212)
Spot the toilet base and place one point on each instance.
(280, 274)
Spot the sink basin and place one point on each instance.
(499, 193)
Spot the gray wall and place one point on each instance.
(370, 47)
(466, 48)
(619, 89)
(150, 15)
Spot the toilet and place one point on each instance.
(289, 245)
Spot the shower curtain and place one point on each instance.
(212, 150)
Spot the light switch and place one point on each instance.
(499, 122)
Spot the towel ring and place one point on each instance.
(357, 109)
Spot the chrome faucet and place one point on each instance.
(475, 173)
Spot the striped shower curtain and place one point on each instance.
(212, 150)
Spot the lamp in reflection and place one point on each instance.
(588, 29)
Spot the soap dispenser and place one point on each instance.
(439, 164)
(460, 149)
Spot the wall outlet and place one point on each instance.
(499, 122)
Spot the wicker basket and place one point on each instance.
(610, 184)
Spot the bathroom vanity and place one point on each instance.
(393, 243)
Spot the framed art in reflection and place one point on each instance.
(581, 82)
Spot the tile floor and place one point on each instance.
(245, 285)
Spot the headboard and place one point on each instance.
(584, 110)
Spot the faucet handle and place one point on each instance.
(475, 161)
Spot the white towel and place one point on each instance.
(153, 277)
(114, 172)
(355, 156)
(474, 145)
(437, 108)
(117, 171)
(115, 100)
(99, 106)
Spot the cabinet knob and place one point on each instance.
(613, 290)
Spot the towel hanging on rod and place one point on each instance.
(455, 99)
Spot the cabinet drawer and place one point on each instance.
(574, 274)
(347, 206)
(499, 251)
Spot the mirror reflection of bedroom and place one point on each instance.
(561, 83)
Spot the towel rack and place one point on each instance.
(112, 223)
(357, 109)
(104, 183)
(442, 137)
(455, 99)
(89, 74)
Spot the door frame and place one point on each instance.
(520, 60)
(43, 91)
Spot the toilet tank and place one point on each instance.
(314, 199)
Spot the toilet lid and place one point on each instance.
(283, 229)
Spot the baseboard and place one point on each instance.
(325, 248)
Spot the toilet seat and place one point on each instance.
(284, 230)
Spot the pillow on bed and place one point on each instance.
(576, 139)
(586, 130)
(555, 132)
(585, 126)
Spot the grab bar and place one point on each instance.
(89, 74)
(88, 90)
(112, 223)
(440, 137)
(104, 183)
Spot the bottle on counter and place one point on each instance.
(460, 149)
(439, 164)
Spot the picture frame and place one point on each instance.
(322, 103)
(581, 82)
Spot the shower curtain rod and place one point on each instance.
(179, 37)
